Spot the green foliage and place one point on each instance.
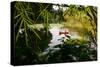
(72, 51)
(84, 18)
(37, 46)
(31, 42)
(23, 11)
(25, 15)
(76, 42)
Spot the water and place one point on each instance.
(56, 38)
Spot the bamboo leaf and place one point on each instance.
(27, 16)
(18, 30)
(41, 13)
(30, 13)
(47, 24)
(17, 15)
(34, 31)
(30, 23)
(25, 33)
(18, 21)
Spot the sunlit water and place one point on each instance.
(56, 38)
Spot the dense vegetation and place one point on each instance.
(31, 43)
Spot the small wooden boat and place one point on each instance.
(63, 32)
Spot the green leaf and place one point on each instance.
(17, 15)
(34, 32)
(19, 29)
(26, 33)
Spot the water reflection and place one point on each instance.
(55, 30)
